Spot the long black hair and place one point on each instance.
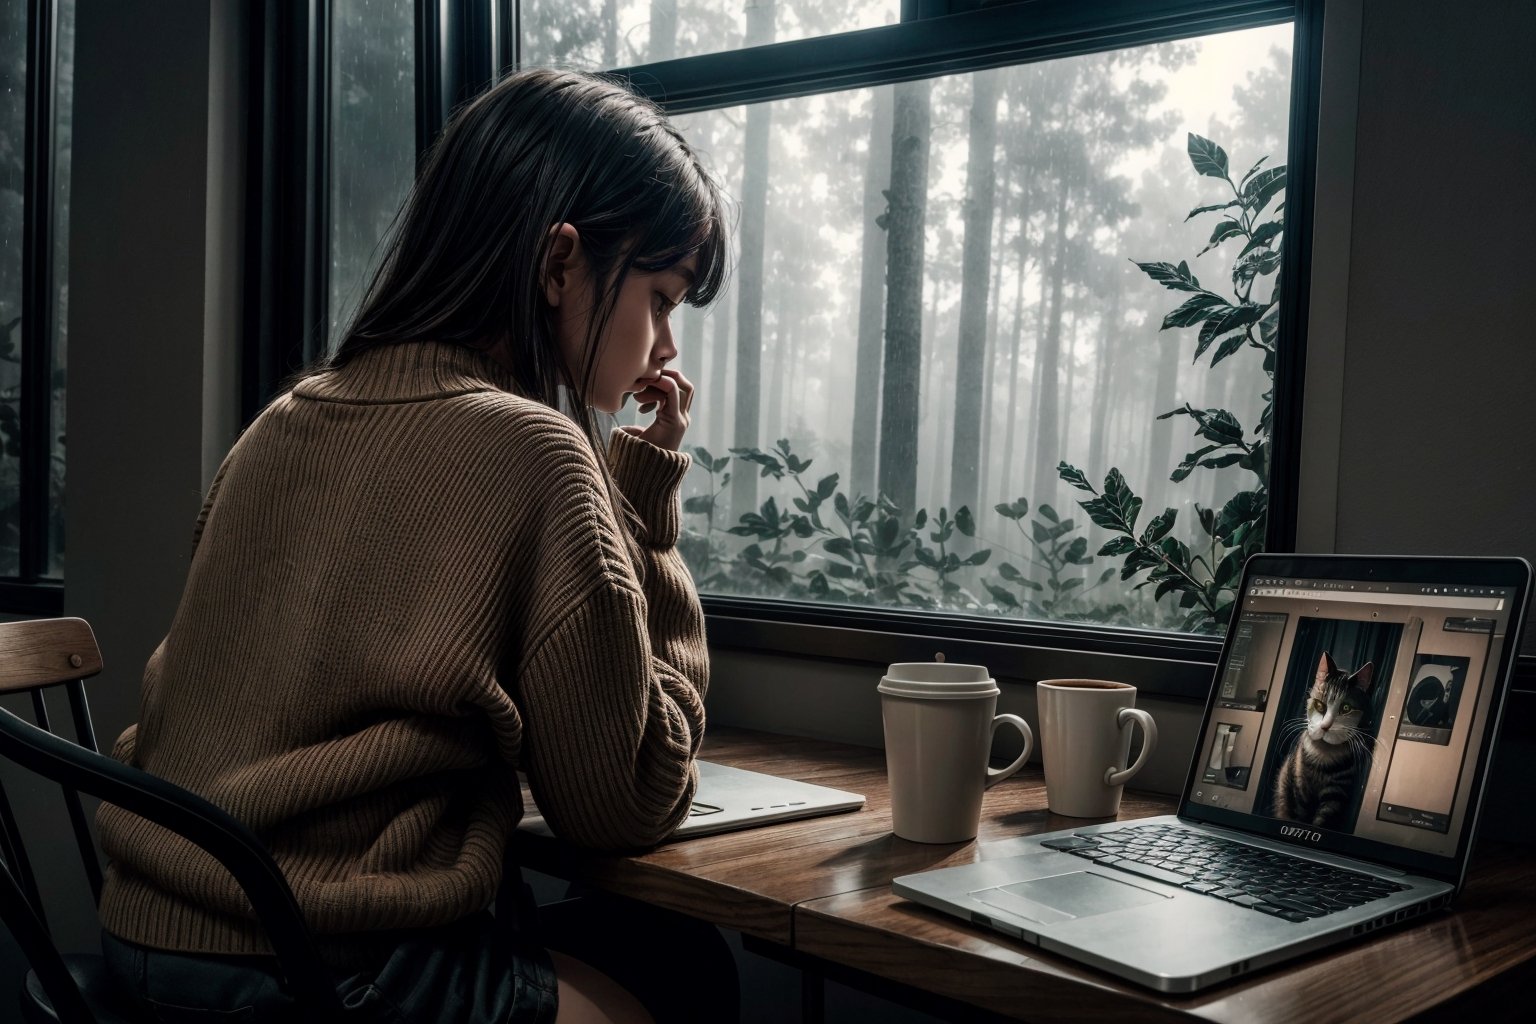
(464, 261)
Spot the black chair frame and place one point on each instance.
(228, 841)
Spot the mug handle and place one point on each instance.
(1148, 744)
(996, 775)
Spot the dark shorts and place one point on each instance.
(470, 972)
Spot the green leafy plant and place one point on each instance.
(1205, 580)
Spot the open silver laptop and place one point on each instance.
(733, 798)
(730, 799)
(1270, 856)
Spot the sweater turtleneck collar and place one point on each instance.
(408, 372)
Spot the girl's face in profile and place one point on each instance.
(637, 340)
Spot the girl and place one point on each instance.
(412, 575)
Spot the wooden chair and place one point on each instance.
(75, 989)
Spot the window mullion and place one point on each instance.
(37, 288)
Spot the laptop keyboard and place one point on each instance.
(1272, 883)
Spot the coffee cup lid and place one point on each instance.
(938, 680)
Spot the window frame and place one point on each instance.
(31, 591)
(930, 41)
(290, 157)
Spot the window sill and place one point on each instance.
(1161, 664)
(1164, 665)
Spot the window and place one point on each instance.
(962, 227)
(373, 137)
(933, 355)
(601, 34)
(36, 62)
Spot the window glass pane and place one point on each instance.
(13, 155)
(63, 127)
(936, 300)
(596, 34)
(373, 137)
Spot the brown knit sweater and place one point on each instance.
(408, 582)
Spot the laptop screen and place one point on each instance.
(1355, 703)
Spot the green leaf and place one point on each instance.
(965, 523)
(1207, 519)
(1072, 475)
(702, 457)
(1221, 427)
(1216, 206)
(1178, 278)
(1262, 236)
(1228, 347)
(1013, 510)
(826, 487)
(1158, 528)
(1038, 531)
(1046, 512)
(1120, 496)
(1228, 568)
(840, 505)
(1077, 552)
(1243, 508)
(1002, 596)
(1167, 586)
(1263, 187)
(1207, 158)
(1117, 546)
(1222, 461)
(1257, 164)
(978, 557)
(1224, 230)
(1194, 310)
(699, 504)
(1264, 261)
(1009, 573)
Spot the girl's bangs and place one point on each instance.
(691, 222)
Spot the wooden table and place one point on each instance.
(821, 889)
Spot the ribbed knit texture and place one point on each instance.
(407, 582)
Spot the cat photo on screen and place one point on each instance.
(1328, 717)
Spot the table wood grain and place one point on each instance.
(1390, 976)
(822, 887)
(751, 880)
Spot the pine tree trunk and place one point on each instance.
(1104, 382)
(975, 260)
(994, 311)
(610, 34)
(749, 291)
(663, 41)
(1010, 433)
(866, 388)
(900, 402)
(1047, 392)
(1160, 453)
(719, 365)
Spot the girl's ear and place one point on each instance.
(561, 263)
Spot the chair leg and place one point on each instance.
(15, 855)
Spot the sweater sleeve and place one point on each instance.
(613, 694)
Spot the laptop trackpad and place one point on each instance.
(1064, 897)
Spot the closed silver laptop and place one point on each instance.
(1281, 845)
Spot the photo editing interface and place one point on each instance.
(1355, 707)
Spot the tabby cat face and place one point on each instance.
(1338, 701)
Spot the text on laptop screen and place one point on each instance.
(1355, 707)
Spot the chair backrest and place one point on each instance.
(38, 654)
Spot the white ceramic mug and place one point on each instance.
(939, 723)
(1085, 740)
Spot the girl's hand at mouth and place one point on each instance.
(670, 395)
